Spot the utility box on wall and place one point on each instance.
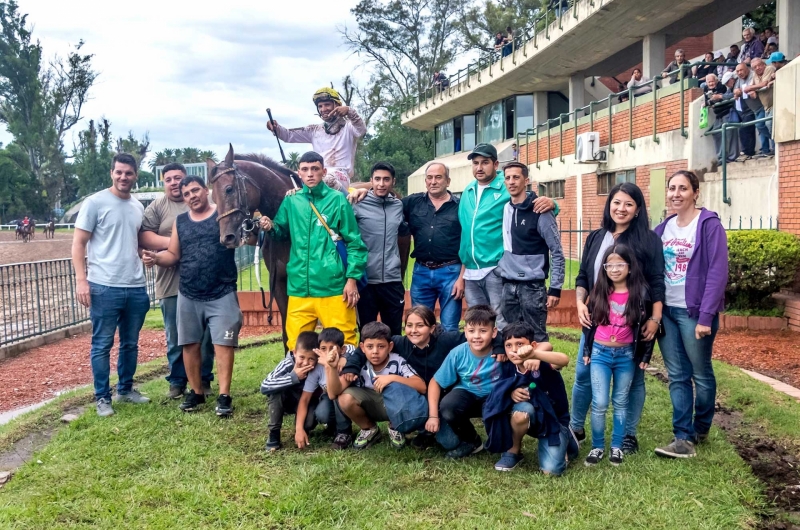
(587, 148)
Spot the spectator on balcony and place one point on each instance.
(770, 48)
(770, 35)
(750, 108)
(701, 71)
(720, 71)
(514, 152)
(777, 59)
(763, 78)
(639, 80)
(440, 81)
(679, 62)
(499, 42)
(752, 47)
(733, 56)
(508, 47)
(719, 97)
(558, 6)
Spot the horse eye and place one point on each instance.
(229, 190)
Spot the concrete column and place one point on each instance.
(788, 19)
(730, 33)
(540, 107)
(654, 48)
(577, 90)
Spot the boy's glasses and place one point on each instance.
(614, 266)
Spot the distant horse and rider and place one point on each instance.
(26, 230)
(49, 229)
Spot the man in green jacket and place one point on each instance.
(480, 212)
(319, 287)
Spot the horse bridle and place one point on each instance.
(240, 181)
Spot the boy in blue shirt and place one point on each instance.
(470, 369)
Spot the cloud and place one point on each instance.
(201, 75)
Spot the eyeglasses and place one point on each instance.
(614, 266)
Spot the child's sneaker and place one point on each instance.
(274, 441)
(594, 456)
(465, 449)
(367, 437)
(224, 406)
(342, 441)
(616, 456)
(397, 439)
(423, 440)
(508, 461)
(630, 445)
(192, 401)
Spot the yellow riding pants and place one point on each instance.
(332, 311)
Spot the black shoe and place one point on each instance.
(616, 456)
(701, 438)
(274, 441)
(423, 440)
(330, 431)
(192, 401)
(630, 445)
(224, 405)
(207, 392)
(580, 434)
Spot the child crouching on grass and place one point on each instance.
(530, 399)
(284, 390)
(619, 305)
(384, 373)
(471, 370)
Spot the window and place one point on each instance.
(490, 123)
(553, 189)
(444, 139)
(509, 107)
(468, 132)
(524, 113)
(606, 181)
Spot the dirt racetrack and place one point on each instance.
(13, 250)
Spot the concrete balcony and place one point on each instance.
(595, 37)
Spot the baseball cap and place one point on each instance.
(487, 150)
(776, 57)
(727, 76)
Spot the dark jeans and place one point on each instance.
(747, 135)
(457, 408)
(329, 413)
(386, 299)
(285, 402)
(527, 302)
(111, 308)
(688, 361)
(429, 285)
(177, 371)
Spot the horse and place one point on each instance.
(27, 232)
(49, 230)
(242, 184)
(33, 229)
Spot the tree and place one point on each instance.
(405, 41)
(40, 103)
(293, 161)
(133, 146)
(92, 157)
(479, 23)
(20, 190)
(761, 17)
(406, 149)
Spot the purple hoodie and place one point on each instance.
(707, 274)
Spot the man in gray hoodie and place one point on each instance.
(380, 220)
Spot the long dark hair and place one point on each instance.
(637, 289)
(638, 233)
(428, 318)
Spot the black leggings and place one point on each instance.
(457, 408)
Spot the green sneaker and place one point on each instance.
(367, 437)
(397, 439)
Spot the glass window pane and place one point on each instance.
(490, 123)
(524, 113)
(468, 133)
(444, 139)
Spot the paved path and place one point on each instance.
(775, 384)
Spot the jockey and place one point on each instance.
(26, 221)
(335, 139)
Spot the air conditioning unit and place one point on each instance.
(587, 149)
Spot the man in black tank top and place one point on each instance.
(206, 292)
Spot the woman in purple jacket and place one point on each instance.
(696, 272)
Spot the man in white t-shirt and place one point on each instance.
(114, 288)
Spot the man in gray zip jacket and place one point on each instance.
(380, 220)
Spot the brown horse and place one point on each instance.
(49, 230)
(242, 184)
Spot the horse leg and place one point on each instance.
(278, 278)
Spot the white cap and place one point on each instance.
(772, 40)
(727, 77)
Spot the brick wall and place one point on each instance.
(789, 187)
(693, 46)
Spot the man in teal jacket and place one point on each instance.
(480, 213)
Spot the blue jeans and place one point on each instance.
(582, 395)
(177, 372)
(112, 308)
(607, 364)
(488, 291)
(429, 285)
(328, 412)
(552, 458)
(687, 360)
(763, 132)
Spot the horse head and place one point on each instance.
(236, 197)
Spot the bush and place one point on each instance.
(761, 262)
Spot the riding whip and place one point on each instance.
(275, 132)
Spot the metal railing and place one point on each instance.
(725, 126)
(39, 297)
(67, 226)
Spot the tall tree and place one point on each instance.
(20, 190)
(92, 157)
(138, 147)
(293, 162)
(405, 41)
(480, 22)
(40, 103)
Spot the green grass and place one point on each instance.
(247, 278)
(153, 467)
(153, 319)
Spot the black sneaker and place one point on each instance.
(192, 401)
(423, 440)
(224, 406)
(594, 457)
(630, 445)
(274, 441)
(616, 456)
(701, 438)
(580, 434)
(342, 441)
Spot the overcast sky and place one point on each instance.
(198, 74)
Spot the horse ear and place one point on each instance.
(210, 164)
(229, 156)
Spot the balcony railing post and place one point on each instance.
(610, 126)
(725, 197)
(655, 109)
(549, 157)
(537, 145)
(561, 136)
(630, 118)
(683, 102)
(591, 116)
(468, 73)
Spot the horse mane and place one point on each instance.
(267, 162)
